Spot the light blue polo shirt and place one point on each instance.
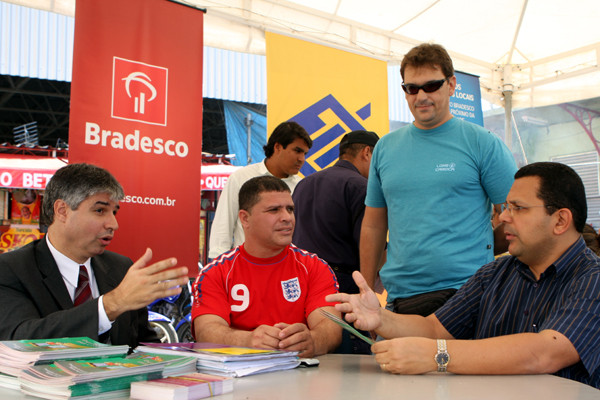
(438, 186)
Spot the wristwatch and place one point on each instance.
(442, 358)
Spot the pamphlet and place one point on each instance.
(17, 355)
(214, 351)
(346, 326)
(101, 376)
(224, 360)
(52, 349)
(183, 387)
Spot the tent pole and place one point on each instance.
(507, 118)
(248, 122)
(507, 92)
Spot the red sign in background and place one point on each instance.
(19, 178)
(136, 110)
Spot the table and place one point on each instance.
(347, 377)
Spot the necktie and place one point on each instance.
(83, 292)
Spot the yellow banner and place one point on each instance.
(328, 91)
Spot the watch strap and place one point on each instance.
(442, 358)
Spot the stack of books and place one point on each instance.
(81, 368)
(100, 377)
(18, 355)
(230, 361)
(183, 387)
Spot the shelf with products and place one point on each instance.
(20, 212)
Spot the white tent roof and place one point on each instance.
(549, 50)
(545, 51)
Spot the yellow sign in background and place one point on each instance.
(328, 91)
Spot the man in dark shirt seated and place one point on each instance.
(330, 205)
(533, 312)
(66, 284)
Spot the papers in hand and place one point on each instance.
(345, 325)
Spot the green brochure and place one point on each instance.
(346, 326)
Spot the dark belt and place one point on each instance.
(422, 304)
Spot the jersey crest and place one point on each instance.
(291, 289)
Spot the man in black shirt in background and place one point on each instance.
(329, 208)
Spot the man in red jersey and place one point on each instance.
(266, 293)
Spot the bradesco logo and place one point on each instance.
(139, 92)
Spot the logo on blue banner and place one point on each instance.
(310, 118)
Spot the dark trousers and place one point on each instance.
(345, 281)
(350, 343)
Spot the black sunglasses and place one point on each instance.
(429, 87)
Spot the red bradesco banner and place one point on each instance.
(136, 110)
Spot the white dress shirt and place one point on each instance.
(69, 270)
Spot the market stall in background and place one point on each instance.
(25, 171)
(215, 172)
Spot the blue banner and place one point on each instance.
(466, 101)
(237, 133)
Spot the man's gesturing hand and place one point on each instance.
(143, 284)
(362, 309)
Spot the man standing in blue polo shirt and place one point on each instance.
(432, 184)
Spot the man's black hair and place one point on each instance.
(560, 187)
(250, 191)
(284, 134)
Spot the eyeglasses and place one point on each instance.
(511, 209)
(429, 87)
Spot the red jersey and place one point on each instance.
(248, 291)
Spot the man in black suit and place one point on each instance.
(39, 282)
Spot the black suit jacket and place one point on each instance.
(35, 303)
